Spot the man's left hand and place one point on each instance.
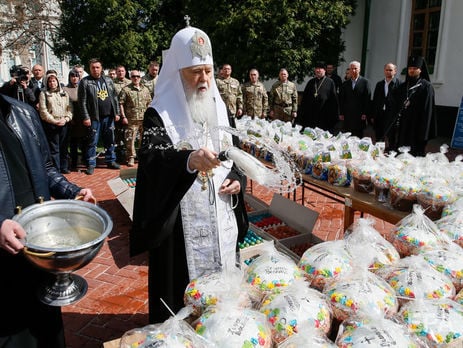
(230, 187)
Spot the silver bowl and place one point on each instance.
(63, 236)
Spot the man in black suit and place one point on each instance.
(381, 113)
(354, 102)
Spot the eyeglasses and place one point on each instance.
(136, 76)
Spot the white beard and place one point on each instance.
(202, 107)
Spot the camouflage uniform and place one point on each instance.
(255, 99)
(150, 82)
(135, 102)
(118, 84)
(283, 100)
(119, 128)
(230, 91)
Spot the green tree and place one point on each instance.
(265, 34)
(270, 34)
(116, 31)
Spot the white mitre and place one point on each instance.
(189, 47)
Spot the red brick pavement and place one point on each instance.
(116, 300)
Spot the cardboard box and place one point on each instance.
(255, 250)
(295, 215)
(255, 203)
(288, 244)
(112, 344)
(124, 193)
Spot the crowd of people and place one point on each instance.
(109, 108)
(399, 113)
(89, 111)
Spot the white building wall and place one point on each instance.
(388, 40)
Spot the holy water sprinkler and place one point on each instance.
(250, 166)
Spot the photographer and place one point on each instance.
(17, 87)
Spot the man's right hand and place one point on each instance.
(203, 160)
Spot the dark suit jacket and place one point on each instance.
(353, 103)
(381, 111)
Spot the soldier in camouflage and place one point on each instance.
(134, 100)
(120, 81)
(230, 91)
(283, 99)
(255, 98)
(150, 79)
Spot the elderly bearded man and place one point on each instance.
(189, 209)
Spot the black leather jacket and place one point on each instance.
(88, 103)
(47, 181)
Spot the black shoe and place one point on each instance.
(114, 165)
(65, 171)
(90, 170)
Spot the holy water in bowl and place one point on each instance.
(68, 237)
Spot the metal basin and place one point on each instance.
(63, 236)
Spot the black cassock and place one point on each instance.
(162, 181)
(319, 105)
(417, 123)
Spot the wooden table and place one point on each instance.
(353, 201)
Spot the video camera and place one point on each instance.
(19, 73)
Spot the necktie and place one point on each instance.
(353, 84)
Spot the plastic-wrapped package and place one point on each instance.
(402, 192)
(227, 326)
(325, 261)
(307, 336)
(173, 333)
(415, 233)
(448, 262)
(459, 297)
(271, 271)
(434, 198)
(412, 277)
(437, 322)
(362, 173)
(360, 291)
(211, 288)
(366, 244)
(451, 222)
(338, 174)
(367, 331)
(297, 304)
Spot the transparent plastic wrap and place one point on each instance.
(382, 181)
(325, 261)
(434, 198)
(271, 271)
(227, 326)
(360, 291)
(173, 333)
(338, 174)
(439, 323)
(448, 262)
(362, 173)
(297, 304)
(402, 192)
(364, 330)
(415, 233)
(413, 277)
(365, 243)
(451, 222)
(459, 297)
(212, 288)
(307, 336)
(320, 164)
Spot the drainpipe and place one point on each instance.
(366, 25)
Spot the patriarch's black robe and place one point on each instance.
(162, 181)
